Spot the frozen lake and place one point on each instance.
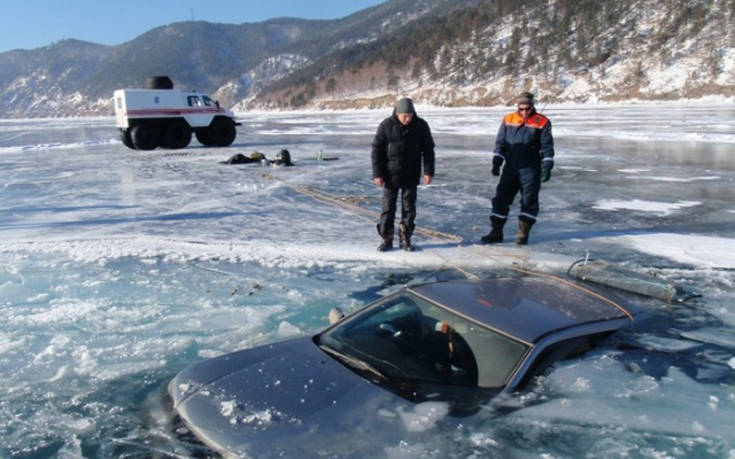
(118, 268)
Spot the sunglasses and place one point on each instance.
(524, 109)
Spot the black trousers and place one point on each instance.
(388, 212)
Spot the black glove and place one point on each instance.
(497, 162)
(545, 174)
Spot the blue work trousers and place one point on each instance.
(525, 180)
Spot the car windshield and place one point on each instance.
(405, 337)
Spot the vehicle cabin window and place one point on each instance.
(208, 102)
(194, 101)
(408, 338)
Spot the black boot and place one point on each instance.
(387, 243)
(524, 227)
(405, 238)
(496, 232)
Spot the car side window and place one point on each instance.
(194, 101)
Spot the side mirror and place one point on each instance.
(335, 315)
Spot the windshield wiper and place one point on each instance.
(354, 362)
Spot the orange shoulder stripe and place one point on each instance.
(513, 119)
(536, 120)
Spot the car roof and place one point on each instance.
(526, 308)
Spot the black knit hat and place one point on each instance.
(525, 98)
(405, 105)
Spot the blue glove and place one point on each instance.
(497, 162)
(545, 174)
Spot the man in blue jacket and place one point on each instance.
(402, 143)
(526, 146)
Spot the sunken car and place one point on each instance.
(447, 347)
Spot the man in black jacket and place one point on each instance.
(403, 140)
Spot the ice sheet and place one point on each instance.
(118, 268)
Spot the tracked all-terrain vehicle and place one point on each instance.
(161, 116)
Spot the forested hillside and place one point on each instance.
(568, 50)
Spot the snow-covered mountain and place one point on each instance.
(443, 52)
(566, 50)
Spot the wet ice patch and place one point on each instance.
(702, 251)
(702, 178)
(424, 416)
(406, 450)
(353, 255)
(659, 343)
(713, 402)
(581, 384)
(227, 408)
(237, 413)
(114, 371)
(56, 345)
(60, 312)
(58, 146)
(287, 330)
(386, 413)
(260, 418)
(8, 343)
(483, 440)
(613, 401)
(641, 387)
(660, 208)
(711, 335)
(186, 389)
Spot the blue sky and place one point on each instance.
(29, 24)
